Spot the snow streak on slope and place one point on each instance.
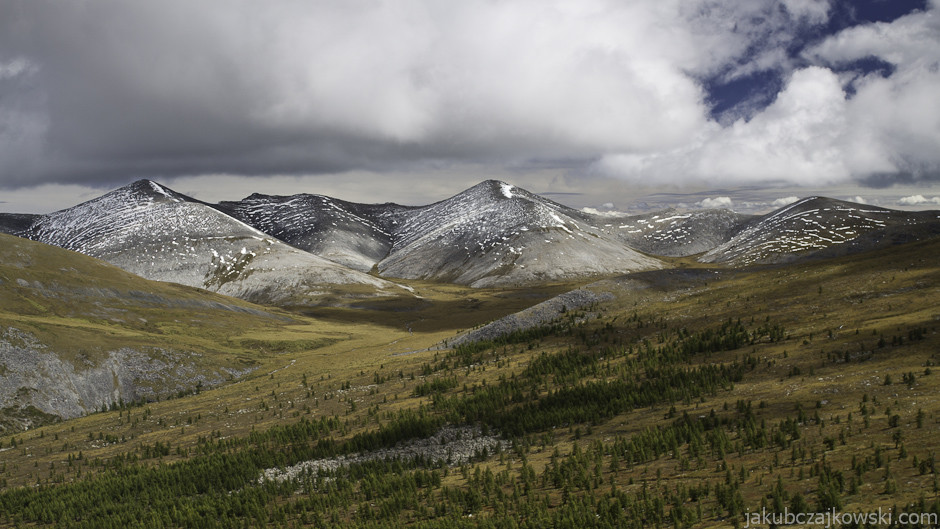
(497, 234)
(159, 234)
(808, 226)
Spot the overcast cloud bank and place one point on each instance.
(100, 91)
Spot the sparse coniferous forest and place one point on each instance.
(686, 405)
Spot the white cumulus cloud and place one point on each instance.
(16, 67)
(824, 127)
(785, 201)
(717, 202)
(799, 138)
(917, 200)
(604, 212)
(893, 123)
(815, 10)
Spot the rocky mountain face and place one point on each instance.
(159, 234)
(38, 385)
(819, 226)
(491, 234)
(495, 234)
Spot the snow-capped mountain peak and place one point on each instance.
(496, 234)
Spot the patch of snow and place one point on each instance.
(674, 217)
(156, 187)
(506, 189)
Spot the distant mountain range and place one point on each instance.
(491, 234)
(302, 249)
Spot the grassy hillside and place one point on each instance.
(690, 402)
(80, 304)
(79, 322)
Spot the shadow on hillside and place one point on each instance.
(434, 315)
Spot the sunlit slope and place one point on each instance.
(77, 334)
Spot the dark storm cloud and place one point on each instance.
(100, 91)
(151, 89)
(168, 88)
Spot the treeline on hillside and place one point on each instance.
(515, 407)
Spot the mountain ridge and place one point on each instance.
(157, 233)
(493, 234)
(811, 225)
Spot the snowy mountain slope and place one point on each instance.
(154, 232)
(354, 235)
(301, 248)
(813, 225)
(676, 234)
(496, 234)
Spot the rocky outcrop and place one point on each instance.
(36, 384)
(534, 316)
(450, 446)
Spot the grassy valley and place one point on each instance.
(691, 397)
